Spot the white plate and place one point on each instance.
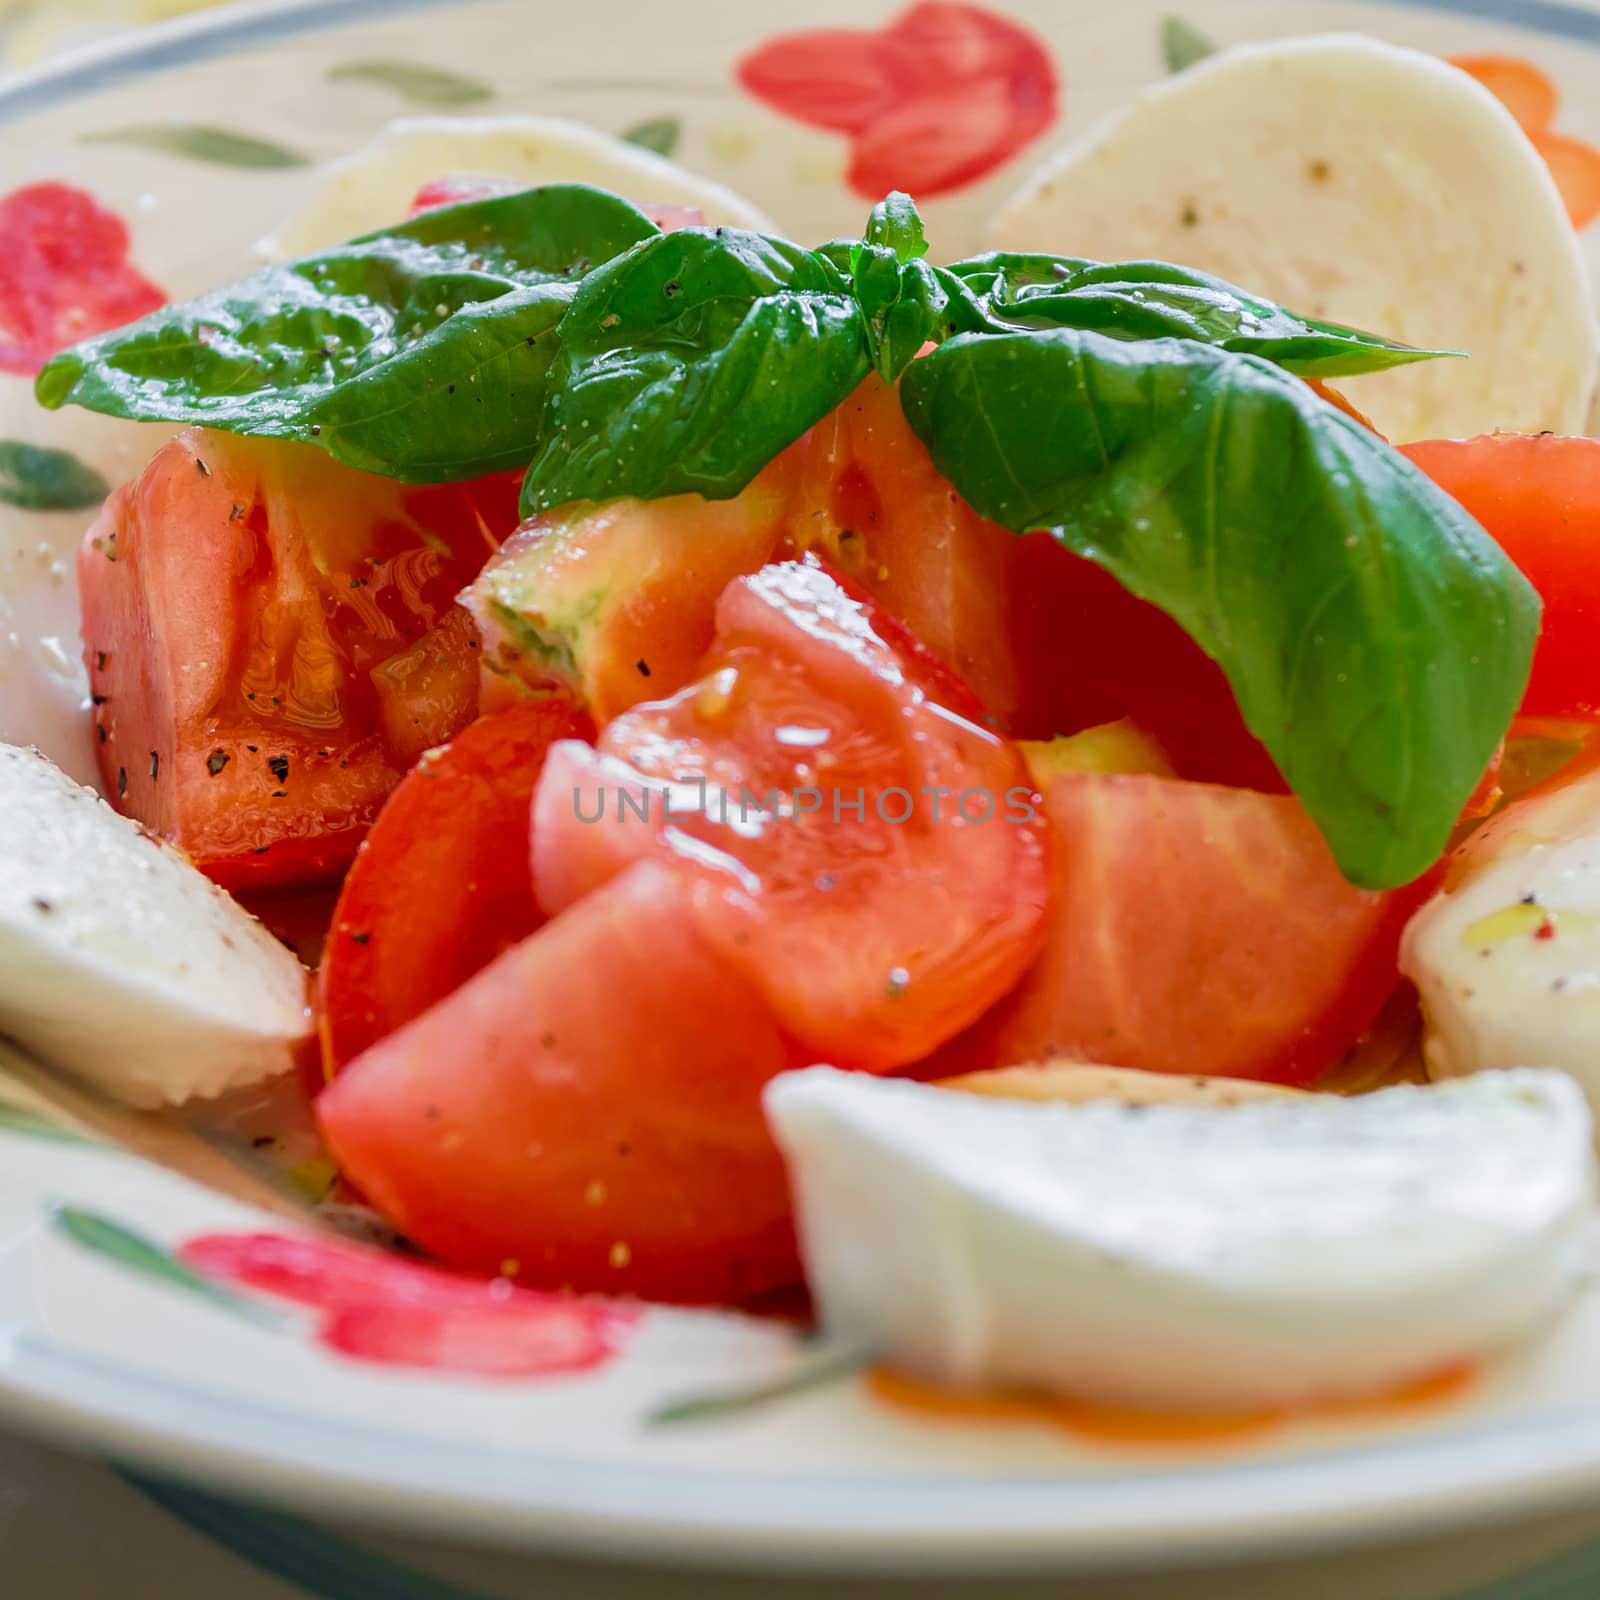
(96, 1345)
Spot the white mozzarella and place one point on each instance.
(1358, 182)
(1188, 1256)
(1508, 962)
(120, 962)
(373, 187)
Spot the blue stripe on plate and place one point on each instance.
(324, 1564)
(219, 34)
(186, 40)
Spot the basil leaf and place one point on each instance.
(1156, 300)
(1378, 641)
(689, 363)
(896, 225)
(419, 352)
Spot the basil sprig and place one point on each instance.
(688, 364)
(418, 352)
(1377, 639)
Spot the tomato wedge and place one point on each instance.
(440, 886)
(866, 854)
(269, 642)
(584, 1112)
(1539, 496)
(1195, 929)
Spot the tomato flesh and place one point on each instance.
(440, 886)
(270, 643)
(864, 852)
(584, 1112)
(1194, 929)
(1539, 496)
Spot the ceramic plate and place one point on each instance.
(175, 1298)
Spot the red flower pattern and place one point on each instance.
(934, 101)
(64, 274)
(377, 1307)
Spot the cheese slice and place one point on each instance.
(373, 187)
(120, 962)
(1357, 182)
(1188, 1256)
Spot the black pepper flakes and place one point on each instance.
(278, 766)
(643, 666)
(216, 761)
(236, 513)
(361, 938)
(155, 765)
(101, 658)
(122, 783)
(42, 906)
(1189, 217)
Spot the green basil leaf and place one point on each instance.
(419, 352)
(1156, 300)
(689, 363)
(896, 225)
(34, 477)
(1378, 641)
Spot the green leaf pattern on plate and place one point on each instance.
(659, 134)
(220, 146)
(117, 1243)
(1183, 44)
(428, 86)
(35, 477)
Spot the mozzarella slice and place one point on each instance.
(373, 187)
(1508, 963)
(122, 964)
(1188, 1257)
(1357, 182)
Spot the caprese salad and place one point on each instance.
(776, 717)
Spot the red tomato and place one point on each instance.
(1089, 652)
(876, 507)
(1194, 929)
(269, 646)
(1539, 496)
(586, 1111)
(440, 886)
(863, 851)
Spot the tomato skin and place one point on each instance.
(1194, 929)
(1539, 497)
(587, 1107)
(269, 643)
(440, 886)
(874, 917)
